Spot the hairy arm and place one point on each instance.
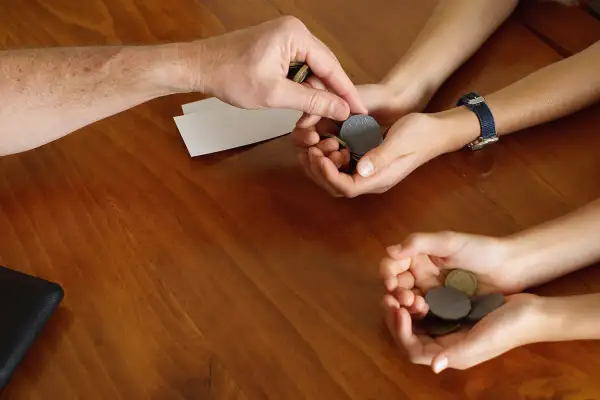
(48, 93)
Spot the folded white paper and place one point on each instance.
(209, 126)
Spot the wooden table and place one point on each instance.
(233, 276)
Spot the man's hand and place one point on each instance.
(248, 69)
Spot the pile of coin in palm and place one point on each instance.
(359, 133)
(455, 304)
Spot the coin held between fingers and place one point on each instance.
(298, 71)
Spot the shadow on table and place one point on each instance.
(39, 357)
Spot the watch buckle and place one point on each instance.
(475, 101)
(480, 143)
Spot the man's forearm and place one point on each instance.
(48, 93)
(555, 248)
(452, 34)
(550, 93)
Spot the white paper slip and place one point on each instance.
(209, 126)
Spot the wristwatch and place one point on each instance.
(476, 103)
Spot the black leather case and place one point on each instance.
(26, 304)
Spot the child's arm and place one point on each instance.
(455, 31)
(550, 93)
(569, 318)
(556, 248)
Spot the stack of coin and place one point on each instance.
(360, 133)
(342, 144)
(298, 71)
(455, 304)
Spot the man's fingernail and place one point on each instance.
(365, 167)
(337, 111)
(440, 365)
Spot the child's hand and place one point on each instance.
(422, 260)
(420, 263)
(514, 324)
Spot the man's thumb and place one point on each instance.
(311, 101)
(375, 160)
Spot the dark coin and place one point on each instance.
(484, 304)
(435, 326)
(361, 133)
(293, 70)
(448, 303)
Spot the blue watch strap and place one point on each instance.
(476, 103)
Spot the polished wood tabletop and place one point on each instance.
(232, 275)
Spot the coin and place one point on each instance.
(293, 70)
(484, 304)
(340, 141)
(362, 133)
(462, 280)
(296, 64)
(301, 74)
(448, 303)
(435, 326)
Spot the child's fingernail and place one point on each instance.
(365, 167)
(390, 284)
(440, 365)
(394, 249)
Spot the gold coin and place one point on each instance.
(462, 280)
(301, 74)
(297, 64)
(340, 141)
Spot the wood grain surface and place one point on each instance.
(232, 276)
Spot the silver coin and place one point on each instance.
(361, 133)
(484, 304)
(448, 303)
